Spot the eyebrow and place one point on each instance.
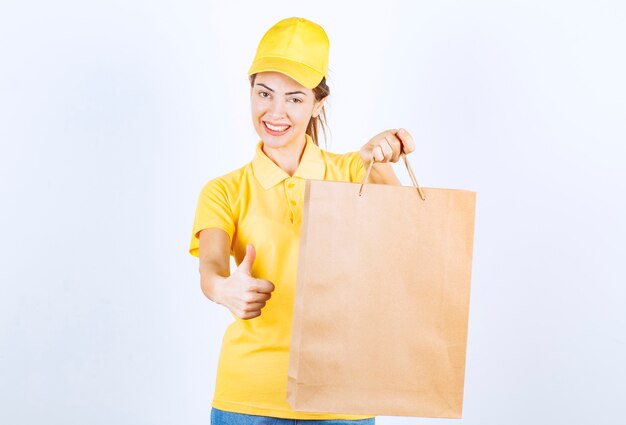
(288, 93)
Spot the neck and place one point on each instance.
(286, 157)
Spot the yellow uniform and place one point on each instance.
(261, 204)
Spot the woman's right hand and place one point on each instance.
(241, 293)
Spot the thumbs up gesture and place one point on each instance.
(243, 294)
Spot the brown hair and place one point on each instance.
(315, 123)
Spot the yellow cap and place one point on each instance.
(295, 47)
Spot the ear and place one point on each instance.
(318, 107)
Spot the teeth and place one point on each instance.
(274, 128)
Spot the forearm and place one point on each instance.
(212, 275)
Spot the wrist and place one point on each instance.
(212, 287)
(381, 173)
(218, 288)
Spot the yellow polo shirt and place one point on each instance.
(261, 204)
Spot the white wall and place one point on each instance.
(114, 113)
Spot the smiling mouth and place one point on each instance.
(276, 130)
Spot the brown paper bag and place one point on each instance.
(382, 299)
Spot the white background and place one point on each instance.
(113, 114)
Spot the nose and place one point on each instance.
(276, 110)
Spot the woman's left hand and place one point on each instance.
(387, 146)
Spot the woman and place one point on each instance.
(254, 214)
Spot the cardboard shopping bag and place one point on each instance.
(382, 299)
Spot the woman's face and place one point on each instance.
(284, 104)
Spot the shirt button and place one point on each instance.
(293, 202)
(290, 185)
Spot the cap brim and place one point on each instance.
(303, 74)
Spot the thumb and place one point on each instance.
(248, 260)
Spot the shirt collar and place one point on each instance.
(311, 166)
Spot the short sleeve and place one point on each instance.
(212, 211)
(357, 170)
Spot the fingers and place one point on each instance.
(408, 144)
(249, 311)
(246, 264)
(246, 295)
(249, 315)
(378, 154)
(257, 297)
(255, 302)
(389, 145)
(385, 144)
(252, 307)
(263, 286)
(382, 151)
(395, 148)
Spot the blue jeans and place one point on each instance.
(221, 417)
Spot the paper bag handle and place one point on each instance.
(408, 167)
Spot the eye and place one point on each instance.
(263, 94)
(296, 100)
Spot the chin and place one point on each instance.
(274, 143)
